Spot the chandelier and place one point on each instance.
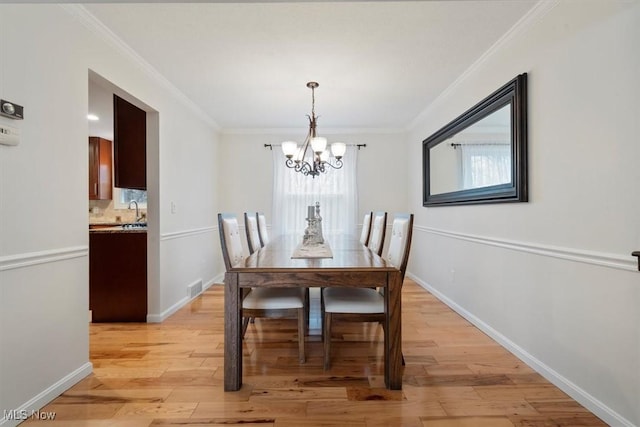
(313, 158)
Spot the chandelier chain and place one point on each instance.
(313, 101)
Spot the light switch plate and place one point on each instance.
(9, 135)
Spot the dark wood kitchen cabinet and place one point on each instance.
(130, 145)
(100, 168)
(118, 276)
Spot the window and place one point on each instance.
(122, 197)
(485, 164)
(335, 190)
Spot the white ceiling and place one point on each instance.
(246, 64)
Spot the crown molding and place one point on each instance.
(535, 14)
(208, 1)
(303, 131)
(85, 17)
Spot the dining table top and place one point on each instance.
(347, 253)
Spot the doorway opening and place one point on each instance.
(112, 211)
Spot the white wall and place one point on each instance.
(553, 279)
(46, 54)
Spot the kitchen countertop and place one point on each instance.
(115, 228)
(105, 224)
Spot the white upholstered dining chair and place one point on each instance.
(253, 235)
(262, 228)
(366, 304)
(378, 230)
(366, 228)
(253, 244)
(262, 301)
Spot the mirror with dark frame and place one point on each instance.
(481, 156)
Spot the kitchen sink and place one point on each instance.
(134, 225)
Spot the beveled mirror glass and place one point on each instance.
(480, 157)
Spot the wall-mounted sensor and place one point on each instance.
(11, 110)
(9, 135)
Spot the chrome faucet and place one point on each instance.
(138, 218)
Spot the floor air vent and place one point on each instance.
(195, 288)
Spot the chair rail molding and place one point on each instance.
(28, 259)
(620, 262)
(188, 233)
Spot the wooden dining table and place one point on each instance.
(352, 264)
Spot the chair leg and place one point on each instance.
(322, 314)
(301, 333)
(326, 328)
(307, 310)
(245, 323)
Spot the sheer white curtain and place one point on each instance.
(336, 191)
(485, 164)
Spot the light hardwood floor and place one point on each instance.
(171, 374)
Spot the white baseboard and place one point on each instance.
(218, 279)
(581, 396)
(46, 396)
(161, 317)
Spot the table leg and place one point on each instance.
(232, 333)
(393, 332)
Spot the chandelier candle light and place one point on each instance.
(312, 161)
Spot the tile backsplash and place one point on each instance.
(103, 211)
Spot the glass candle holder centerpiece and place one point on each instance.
(313, 232)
